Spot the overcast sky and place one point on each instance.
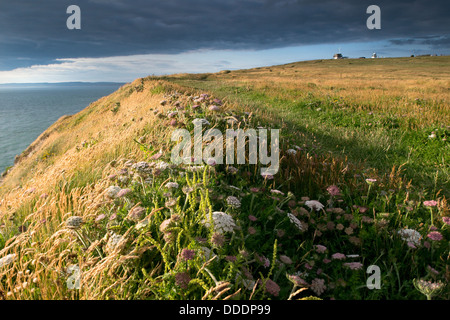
(122, 40)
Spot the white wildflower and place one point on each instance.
(410, 235)
(141, 168)
(112, 192)
(292, 151)
(208, 253)
(113, 242)
(7, 260)
(314, 205)
(172, 185)
(162, 165)
(222, 222)
(234, 202)
(295, 221)
(74, 222)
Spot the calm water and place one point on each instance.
(26, 111)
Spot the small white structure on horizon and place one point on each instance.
(374, 55)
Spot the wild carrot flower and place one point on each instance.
(333, 190)
(187, 254)
(330, 225)
(231, 258)
(222, 222)
(348, 230)
(7, 260)
(296, 222)
(233, 202)
(172, 185)
(366, 219)
(272, 287)
(112, 192)
(314, 205)
(251, 230)
(430, 203)
(318, 286)
(353, 265)
(172, 114)
(218, 239)
(285, 259)
(435, 236)
(136, 214)
(123, 193)
(252, 218)
(74, 222)
(113, 242)
(338, 256)
(446, 220)
(292, 152)
(320, 248)
(297, 280)
(214, 108)
(182, 279)
(428, 288)
(274, 191)
(370, 181)
(410, 235)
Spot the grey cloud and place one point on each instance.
(120, 27)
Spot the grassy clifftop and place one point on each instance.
(363, 181)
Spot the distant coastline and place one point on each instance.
(57, 84)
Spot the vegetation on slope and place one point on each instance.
(97, 192)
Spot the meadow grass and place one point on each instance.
(360, 183)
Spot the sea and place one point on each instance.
(26, 110)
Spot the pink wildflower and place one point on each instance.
(182, 279)
(187, 254)
(446, 220)
(318, 286)
(353, 265)
(338, 256)
(285, 259)
(320, 248)
(272, 287)
(430, 203)
(435, 235)
(214, 108)
(333, 190)
(411, 245)
(252, 218)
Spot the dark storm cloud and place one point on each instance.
(35, 31)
